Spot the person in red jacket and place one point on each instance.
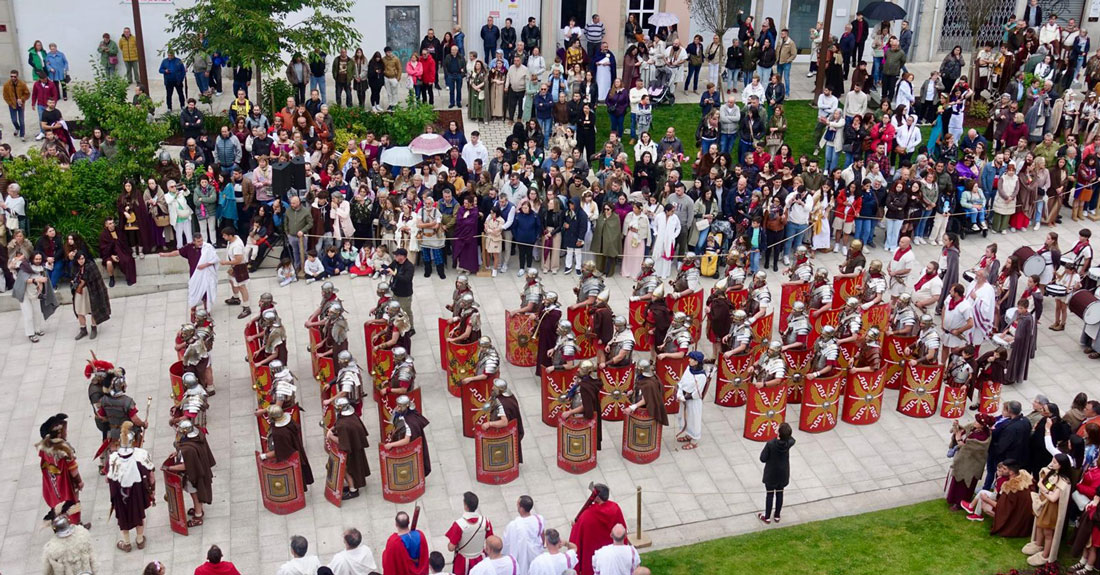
(429, 65)
(593, 527)
(406, 551)
(214, 564)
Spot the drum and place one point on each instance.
(1031, 263)
(1085, 305)
(1094, 273)
(1055, 290)
(968, 275)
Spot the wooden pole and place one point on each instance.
(822, 53)
(143, 73)
(640, 540)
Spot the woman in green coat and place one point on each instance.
(108, 55)
(36, 57)
(478, 83)
(607, 240)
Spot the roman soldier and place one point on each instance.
(284, 388)
(589, 286)
(826, 353)
(546, 330)
(504, 409)
(687, 277)
(203, 320)
(61, 481)
(563, 354)
(284, 439)
(850, 322)
(348, 383)
(926, 350)
(903, 317)
(854, 260)
(770, 369)
(677, 340)
(192, 405)
(621, 345)
(267, 301)
(350, 436)
(195, 462)
(646, 282)
(488, 362)
(759, 304)
(117, 408)
(602, 324)
(737, 271)
(802, 271)
(739, 338)
(384, 296)
(70, 550)
(960, 367)
(99, 374)
(719, 308)
(468, 327)
(820, 297)
(869, 358)
(648, 393)
(273, 339)
(531, 298)
(132, 483)
(874, 285)
(462, 287)
(397, 328)
(403, 378)
(196, 355)
(658, 317)
(328, 297)
(334, 332)
(584, 398)
(408, 424)
(798, 328)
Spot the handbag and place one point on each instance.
(830, 135)
(112, 60)
(773, 140)
(702, 224)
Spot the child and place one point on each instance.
(361, 266)
(644, 115)
(314, 269)
(334, 265)
(380, 259)
(437, 563)
(286, 273)
(348, 254)
(1071, 280)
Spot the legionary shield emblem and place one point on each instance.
(767, 408)
(863, 397)
(692, 306)
(173, 495)
(281, 484)
(497, 458)
(519, 334)
(403, 472)
(820, 403)
(893, 353)
(734, 373)
(615, 393)
(554, 387)
(669, 372)
(920, 390)
(577, 444)
(335, 468)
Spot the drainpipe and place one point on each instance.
(932, 36)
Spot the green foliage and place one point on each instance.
(276, 91)
(76, 199)
(979, 110)
(406, 122)
(94, 99)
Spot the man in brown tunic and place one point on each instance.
(350, 435)
(195, 460)
(116, 253)
(585, 397)
(648, 393)
(602, 324)
(504, 409)
(285, 439)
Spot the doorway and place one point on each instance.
(576, 9)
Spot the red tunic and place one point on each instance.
(57, 478)
(397, 561)
(593, 530)
(462, 565)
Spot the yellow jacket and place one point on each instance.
(128, 47)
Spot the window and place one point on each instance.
(641, 10)
(732, 6)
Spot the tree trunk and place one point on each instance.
(258, 73)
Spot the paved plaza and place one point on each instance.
(688, 495)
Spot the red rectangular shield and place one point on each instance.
(335, 468)
(863, 398)
(173, 494)
(281, 484)
(818, 321)
(762, 332)
(615, 394)
(876, 316)
(519, 333)
(767, 408)
(738, 298)
(175, 375)
(324, 369)
(554, 387)
(989, 401)
(641, 437)
(893, 354)
(475, 405)
(669, 372)
(370, 331)
(315, 340)
(734, 373)
(953, 403)
(643, 338)
(497, 457)
(250, 329)
(847, 356)
(920, 390)
(577, 444)
(788, 294)
(582, 329)
(261, 381)
(692, 305)
(461, 362)
(403, 472)
(821, 404)
(444, 327)
(386, 404)
(798, 365)
(846, 287)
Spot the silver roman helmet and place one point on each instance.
(266, 299)
(691, 258)
(336, 309)
(484, 342)
(186, 429)
(620, 323)
(586, 367)
(461, 282)
(118, 385)
(873, 334)
(645, 368)
(328, 288)
(500, 388)
(852, 303)
(550, 297)
(799, 307)
(760, 279)
(467, 301)
(343, 406)
(344, 358)
(828, 332)
(801, 251)
(926, 320)
(189, 380)
(739, 316)
(269, 316)
(821, 274)
(565, 327)
(589, 267)
(681, 318)
(201, 315)
(187, 331)
(383, 289)
(403, 404)
(393, 307)
(647, 264)
(276, 367)
(775, 347)
(905, 298)
(532, 274)
(399, 354)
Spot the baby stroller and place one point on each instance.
(660, 89)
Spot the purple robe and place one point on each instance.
(465, 237)
(548, 338)
(1023, 348)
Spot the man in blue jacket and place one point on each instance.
(544, 106)
(490, 37)
(865, 220)
(175, 74)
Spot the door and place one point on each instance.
(575, 9)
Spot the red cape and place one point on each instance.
(593, 530)
(396, 560)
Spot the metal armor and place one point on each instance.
(275, 336)
(645, 284)
(797, 326)
(803, 272)
(928, 340)
(400, 321)
(194, 402)
(825, 351)
(195, 352)
(591, 286)
(623, 340)
(532, 294)
(820, 296)
(768, 367)
(904, 317)
(488, 362)
(736, 275)
(959, 372)
(849, 323)
(687, 280)
(567, 346)
(338, 330)
(117, 410)
(379, 311)
(740, 334)
(404, 375)
(873, 286)
(759, 299)
(350, 381)
(285, 388)
(677, 338)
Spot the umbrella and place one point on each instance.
(883, 11)
(429, 145)
(401, 157)
(663, 20)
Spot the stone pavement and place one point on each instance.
(688, 495)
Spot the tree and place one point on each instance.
(978, 15)
(262, 31)
(714, 16)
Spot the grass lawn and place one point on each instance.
(918, 539)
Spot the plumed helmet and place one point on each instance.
(875, 266)
(343, 358)
(645, 367)
(620, 322)
(328, 288)
(550, 297)
(565, 326)
(648, 263)
(855, 245)
(190, 380)
(484, 342)
(400, 353)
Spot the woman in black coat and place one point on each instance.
(776, 457)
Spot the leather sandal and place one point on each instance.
(195, 521)
(126, 547)
(141, 543)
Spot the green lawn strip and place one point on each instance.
(924, 538)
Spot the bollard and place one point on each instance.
(640, 541)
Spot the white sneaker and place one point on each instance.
(504, 269)
(39, 137)
(494, 273)
(1011, 230)
(836, 248)
(1036, 228)
(519, 274)
(786, 260)
(1004, 232)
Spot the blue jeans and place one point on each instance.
(745, 147)
(547, 125)
(746, 77)
(831, 159)
(785, 71)
(616, 124)
(754, 261)
(990, 473)
(60, 270)
(893, 230)
(794, 233)
(923, 229)
(41, 110)
(490, 53)
(434, 255)
(202, 81)
(18, 120)
(318, 83)
(865, 230)
(705, 144)
(975, 215)
(726, 142)
(765, 74)
(633, 127)
(699, 245)
(454, 89)
(693, 73)
(876, 70)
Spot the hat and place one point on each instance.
(51, 423)
(696, 355)
(985, 420)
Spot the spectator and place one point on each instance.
(175, 74)
(16, 95)
(214, 564)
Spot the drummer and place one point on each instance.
(989, 263)
(1052, 256)
(1082, 252)
(1068, 281)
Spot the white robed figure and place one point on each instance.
(689, 392)
(984, 307)
(605, 72)
(204, 281)
(667, 229)
(523, 536)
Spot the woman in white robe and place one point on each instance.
(689, 392)
(667, 228)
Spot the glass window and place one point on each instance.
(802, 18)
(732, 6)
(642, 10)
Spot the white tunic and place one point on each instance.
(503, 565)
(984, 302)
(614, 560)
(555, 564)
(204, 282)
(900, 284)
(523, 540)
(667, 229)
(691, 417)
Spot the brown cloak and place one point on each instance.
(287, 440)
(650, 390)
(589, 388)
(417, 423)
(1014, 515)
(512, 412)
(198, 462)
(352, 438)
(603, 324)
(548, 338)
(720, 310)
(116, 246)
(1023, 348)
(98, 298)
